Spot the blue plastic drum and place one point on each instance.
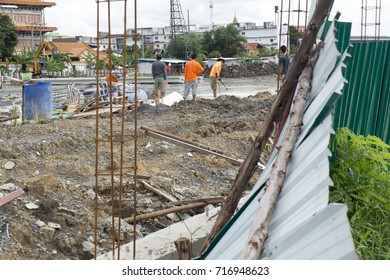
(38, 101)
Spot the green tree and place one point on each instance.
(214, 54)
(8, 37)
(24, 57)
(90, 59)
(295, 35)
(194, 41)
(226, 40)
(57, 62)
(130, 51)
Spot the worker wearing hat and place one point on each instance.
(215, 75)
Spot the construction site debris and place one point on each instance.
(62, 151)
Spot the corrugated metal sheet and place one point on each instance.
(303, 225)
(365, 105)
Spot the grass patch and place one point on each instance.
(360, 171)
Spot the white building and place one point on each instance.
(157, 39)
(266, 35)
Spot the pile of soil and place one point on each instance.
(248, 70)
(54, 163)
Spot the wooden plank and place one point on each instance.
(209, 200)
(164, 212)
(92, 111)
(159, 191)
(11, 196)
(9, 118)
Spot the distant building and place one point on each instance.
(266, 35)
(79, 52)
(252, 48)
(29, 19)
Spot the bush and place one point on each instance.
(361, 175)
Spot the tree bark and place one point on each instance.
(284, 98)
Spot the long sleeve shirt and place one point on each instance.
(159, 69)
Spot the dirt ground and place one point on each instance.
(54, 164)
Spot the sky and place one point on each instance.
(79, 17)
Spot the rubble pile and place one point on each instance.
(247, 71)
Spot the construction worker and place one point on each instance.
(159, 73)
(215, 75)
(192, 70)
(283, 63)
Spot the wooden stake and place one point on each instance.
(183, 248)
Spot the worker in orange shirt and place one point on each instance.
(215, 75)
(192, 70)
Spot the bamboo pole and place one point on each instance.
(284, 98)
(267, 202)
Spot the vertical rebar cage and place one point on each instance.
(115, 139)
(293, 17)
(370, 20)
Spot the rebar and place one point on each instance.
(290, 12)
(114, 138)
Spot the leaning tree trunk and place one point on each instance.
(284, 98)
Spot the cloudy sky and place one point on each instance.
(79, 17)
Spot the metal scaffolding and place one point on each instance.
(293, 16)
(113, 155)
(371, 18)
(179, 33)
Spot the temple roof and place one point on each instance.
(27, 2)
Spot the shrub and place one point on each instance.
(361, 175)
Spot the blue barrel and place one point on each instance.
(38, 101)
(88, 96)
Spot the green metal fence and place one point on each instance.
(364, 106)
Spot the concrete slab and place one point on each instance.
(160, 244)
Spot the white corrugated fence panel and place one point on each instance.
(324, 236)
(303, 225)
